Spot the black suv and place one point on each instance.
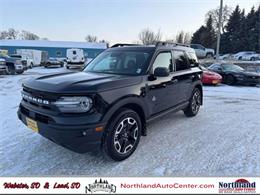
(111, 101)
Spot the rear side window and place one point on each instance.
(163, 59)
(181, 61)
(192, 59)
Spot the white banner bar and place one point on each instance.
(129, 185)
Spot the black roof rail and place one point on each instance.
(165, 43)
(124, 44)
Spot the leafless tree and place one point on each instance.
(9, 34)
(148, 37)
(91, 38)
(187, 38)
(214, 13)
(180, 37)
(183, 37)
(26, 35)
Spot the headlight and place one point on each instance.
(2, 63)
(74, 104)
(18, 62)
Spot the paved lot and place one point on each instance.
(222, 140)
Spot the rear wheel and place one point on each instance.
(230, 80)
(194, 103)
(67, 67)
(209, 55)
(122, 136)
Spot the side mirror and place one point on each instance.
(161, 72)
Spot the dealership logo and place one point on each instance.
(101, 186)
(239, 186)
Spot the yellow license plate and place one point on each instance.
(215, 81)
(32, 124)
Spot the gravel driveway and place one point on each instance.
(222, 140)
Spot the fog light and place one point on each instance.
(84, 133)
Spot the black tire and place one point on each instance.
(20, 72)
(240, 58)
(31, 65)
(230, 80)
(67, 67)
(209, 55)
(122, 135)
(10, 70)
(194, 103)
(252, 59)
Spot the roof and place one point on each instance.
(45, 43)
(151, 48)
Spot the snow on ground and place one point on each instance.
(222, 140)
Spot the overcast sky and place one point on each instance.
(112, 20)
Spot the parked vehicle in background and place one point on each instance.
(226, 56)
(75, 58)
(203, 52)
(13, 65)
(2, 65)
(210, 77)
(233, 74)
(245, 55)
(251, 57)
(53, 61)
(110, 102)
(39, 57)
(253, 69)
(26, 61)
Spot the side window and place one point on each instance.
(215, 67)
(192, 59)
(163, 59)
(181, 61)
(194, 46)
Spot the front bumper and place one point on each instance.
(18, 67)
(78, 138)
(248, 81)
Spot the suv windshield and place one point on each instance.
(231, 67)
(120, 62)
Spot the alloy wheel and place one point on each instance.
(196, 102)
(126, 135)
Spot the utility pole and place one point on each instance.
(219, 28)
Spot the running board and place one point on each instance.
(173, 109)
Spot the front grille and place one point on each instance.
(25, 111)
(39, 99)
(24, 62)
(36, 116)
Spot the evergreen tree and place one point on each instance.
(205, 35)
(231, 40)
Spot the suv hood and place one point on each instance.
(80, 82)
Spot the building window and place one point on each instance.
(58, 53)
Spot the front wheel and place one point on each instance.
(209, 55)
(230, 80)
(194, 103)
(10, 70)
(122, 136)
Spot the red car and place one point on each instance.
(209, 77)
